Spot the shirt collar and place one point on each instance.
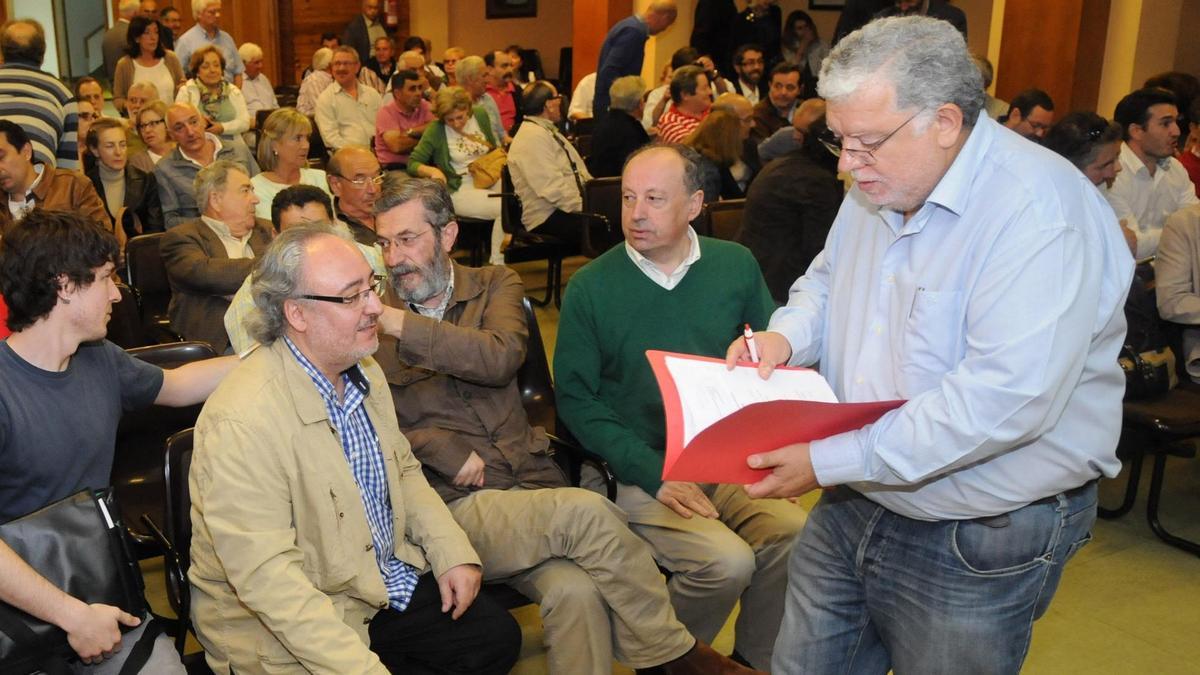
(953, 190)
(650, 269)
(222, 230)
(352, 375)
(440, 311)
(40, 170)
(1134, 164)
(216, 150)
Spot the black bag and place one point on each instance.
(1147, 374)
(78, 544)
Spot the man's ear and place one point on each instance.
(293, 314)
(695, 204)
(449, 235)
(948, 122)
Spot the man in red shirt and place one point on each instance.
(691, 98)
(502, 90)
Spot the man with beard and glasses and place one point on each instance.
(454, 338)
(294, 205)
(318, 546)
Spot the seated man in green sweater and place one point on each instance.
(667, 288)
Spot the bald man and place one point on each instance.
(624, 48)
(195, 148)
(354, 178)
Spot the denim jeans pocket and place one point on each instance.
(1020, 541)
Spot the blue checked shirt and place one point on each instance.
(361, 445)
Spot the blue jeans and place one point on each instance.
(870, 590)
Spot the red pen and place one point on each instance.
(748, 337)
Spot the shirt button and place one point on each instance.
(877, 328)
(891, 278)
(858, 380)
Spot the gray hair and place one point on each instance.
(626, 93)
(128, 8)
(322, 58)
(213, 178)
(692, 161)
(925, 60)
(201, 5)
(250, 51)
(469, 68)
(146, 86)
(399, 189)
(277, 276)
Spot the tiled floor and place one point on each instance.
(1128, 603)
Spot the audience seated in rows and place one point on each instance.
(401, 121)
(791, 206)
(146, 60)
(279, 569)
(620, 128)
(129, 193)
(346, 110)
(35, 99)
(1152, 184)
(207, 31)
(29, 183)
(195, 149)
(63, 392)
(460, 135)
(283, 158)
(207, 258)
(678, 292)
(1030, 114)
(459, 405)
(294, 205)
(256, 87)
(220, 102)
(691, 97)
(547, 172)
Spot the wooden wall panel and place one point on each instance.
(1066, 65)
(301, 23)
(591, 22)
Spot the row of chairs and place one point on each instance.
(155, 449)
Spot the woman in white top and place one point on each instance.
(283, 157)
(146, 61)
(221, 103)
(152, 128)
(460, 135)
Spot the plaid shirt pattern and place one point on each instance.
(361, 446)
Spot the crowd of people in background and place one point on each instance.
(370, 168)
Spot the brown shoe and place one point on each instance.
(704, 660)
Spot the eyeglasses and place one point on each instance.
(91, 117)
(147, 125)
(403, 241)
(361, 181)
(864, 155)
(378, 281)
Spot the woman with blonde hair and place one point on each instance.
(718, 139)
(283, 158)
(221, 103)
(460, 135)
(151, 126)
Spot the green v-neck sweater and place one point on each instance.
(613, 313)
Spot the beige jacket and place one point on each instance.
(283, 576)
(1177, 278)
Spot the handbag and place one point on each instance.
(78, 544)
(1149, 373)
(485, 170)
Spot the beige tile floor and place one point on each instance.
(1128, 603)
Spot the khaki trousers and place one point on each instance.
(569, 550)
(741, 555)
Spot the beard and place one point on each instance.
(432, 279)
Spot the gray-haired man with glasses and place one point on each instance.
(318, 545)
(980, 278)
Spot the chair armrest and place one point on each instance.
(579, 457)
(597, 236)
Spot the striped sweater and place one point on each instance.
(45, 108)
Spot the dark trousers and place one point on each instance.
(421, 639)
(562, 225)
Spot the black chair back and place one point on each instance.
(316, 144)
(177, 462)
(602, 196)
(125, 325)
(137, 465)
(147, 275)
(533, 378)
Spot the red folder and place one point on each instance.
(718, 453)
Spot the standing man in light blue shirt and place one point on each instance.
(982, 279)
(208, 31)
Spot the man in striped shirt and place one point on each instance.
(691, 98)
(35, 99)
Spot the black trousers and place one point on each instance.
(421, 639)
(564, 226)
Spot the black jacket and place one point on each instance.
(141, 199)
(614, 137)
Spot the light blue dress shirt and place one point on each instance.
(996, 311)
(195, 37)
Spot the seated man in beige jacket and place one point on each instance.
(314, 530)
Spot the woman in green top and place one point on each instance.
(460, 135)
(221, 103)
